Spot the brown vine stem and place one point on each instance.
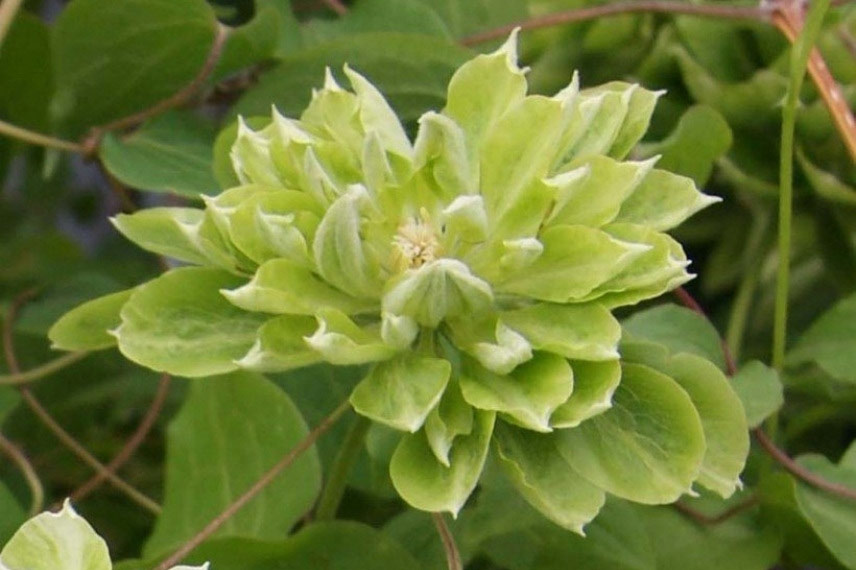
(37, 492)
(257, 488)
(767, 444)
(799, 471)
(42, 370)
(33, 137)
(708, 520)
(8, 11)
(760, 13)
(337, 6)
(44, 416)
(453, 557)
(93, 139)
(788, 16)
(133, 442)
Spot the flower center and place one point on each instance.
(415, 243)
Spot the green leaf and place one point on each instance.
(367, 16)
(527, 396)
(594, 385)
(56, 541)
(126, 56)
(229, 432)
(647, 448)
(726, 433)
(170, 153)
(576, 259)
(26, 74)
(467, 18)
(281, 286)
(833, 519)
(402, 392)
(759, 388)
(426, 483)
(583, 332)
(87, 326)
(545, 479)
(701, 136)
(829, 342)
(410, 70)
(181, 324)
(281, 345)
(268, 34)
(13, 514)
(679, 329)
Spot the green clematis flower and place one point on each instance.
(473, 269)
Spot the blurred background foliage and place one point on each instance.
(66, 68)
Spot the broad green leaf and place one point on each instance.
(172, 232)
(826, 184)
(663, 200)
(342, 342)
(281, 345)
(281, 286)
(647, 448)
(9, 399)
(545, 479)
(697, 141)
(26, 74)
(759, 388)
(410, 70)
(117, 59)
(833, 519)
(527, 396)
(467, 18)
(87, 326)
(594, 385)
(576, 259)
(402, 16)
(180, 323)
(829, 342)
(230, 431)
(679, 329)
(56, 541)
(258, 40)
(402, 392)
(451, 418)
(429, 485)
(739, 543)
(726, 433)
(333, 545)
(583, 332)
(12, 516)
(170, 153)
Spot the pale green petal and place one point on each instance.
(451, 418)
(56, 541)
(594, 385)
(497, 347)
(440, 289)
(584, 332)
(398, 331)
(281, 286)
(251, 158)
(647, 448)
(281, 345)
(377, 171)
(609, 108)
(377, 116)
(544, 478)
(440, 149)
(595, 199)
(527, 396)
(339, 251)
(663, 201)
(482, 90)
(87, 326)
(575, 261)
(341, 341)
(426, 483)
(402, 392)
(172, 232)
(466, 219)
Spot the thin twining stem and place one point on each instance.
(37, 492)
(39, 139)
(257, 488)
(42, 370)
(453, 557)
